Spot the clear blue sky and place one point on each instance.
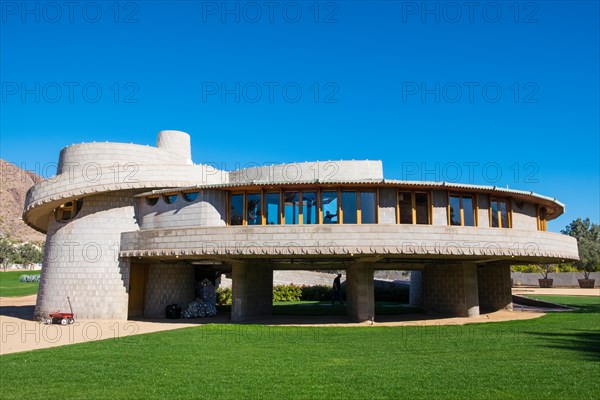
(424, 87)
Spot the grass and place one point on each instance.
(555, 356)
(11, 287)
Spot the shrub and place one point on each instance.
(224, 296)
(29, 278)
(317, 293)
(287, 293)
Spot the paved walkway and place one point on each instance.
(20, 333)
(557, 291)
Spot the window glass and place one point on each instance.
(329, 207)
(272, 208)
(68, 211)
(405, 203)
(494, 207)
(151, 201)
(349, 207)
(190, 196)
(253, 209)
(291, 208)
(422, 208)
(309, 208)
(504, 213)
(367, 207)
(455, 210)
(170, 199)
(469, 211)
(236, 212)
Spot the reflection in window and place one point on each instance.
(499, 211)
(462, 210)
(151, 201)
(504, 214)
(349, 207)
(455, 218)
(329, 207)
(236, 212)
(253, 209)
(494, 208)
(190, 196)
(309, 208)
(421, 208)
(368, 208)
(291, 208)
(468, 211)
(272, 208)
(170, 199)
(405, 204)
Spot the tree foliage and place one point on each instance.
(588, 241)
(14, 252)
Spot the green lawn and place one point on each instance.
(553, 357)
(11, 287)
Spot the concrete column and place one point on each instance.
(252, 291)
(451, 289)
(494, 287)
(471, 290)
(168, 284)
(360, 295)
(416, 289)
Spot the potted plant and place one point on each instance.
(546, 269)
(589, 261)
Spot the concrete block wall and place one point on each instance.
(209, 209)
(311, 171)
(560, 279)
(360, 292)
(252, 291)
(494, 287)
(483, 210)
(416, 289)
(451, 289)
(524, 215)
(168, 284)
(332, 239)
(81, 260)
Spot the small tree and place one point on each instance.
(588, 241)
(30, 254)
(8, 252)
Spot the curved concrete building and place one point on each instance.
(131, 229)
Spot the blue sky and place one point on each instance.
(501, 93)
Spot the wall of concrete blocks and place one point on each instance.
(451, 289)
(81, 260)
(207, 210)
(252, 291)
(494, 287)
(168, 284)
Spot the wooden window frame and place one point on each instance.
(413, 205)
(499, 216)
(475, 199)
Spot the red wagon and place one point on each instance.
(60, 317)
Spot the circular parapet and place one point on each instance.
(350, 241)
(177, 142)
